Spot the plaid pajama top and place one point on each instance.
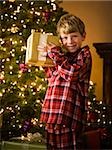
(66, 96)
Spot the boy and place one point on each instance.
(65, 101)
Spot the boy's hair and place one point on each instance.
(69, 23)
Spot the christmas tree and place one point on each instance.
(22, 87)
(99, 118)
(99, 112)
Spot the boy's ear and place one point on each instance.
(60, 41)
(84, 35)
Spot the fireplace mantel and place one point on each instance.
(104, 50)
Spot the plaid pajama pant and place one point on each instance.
(60, 137)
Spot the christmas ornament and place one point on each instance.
(1, 78)
(23, 68)
(92, 117)
(14, 29)
(46, 15)
(26, 125)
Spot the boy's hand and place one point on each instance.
(42, 49)
(46, 47)
(50, 46)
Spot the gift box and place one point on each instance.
(6, 145)
(91, 140)
(33, 55)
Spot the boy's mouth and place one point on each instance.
(71, 46)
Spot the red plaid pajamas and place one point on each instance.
(60, 138)
(67, 93)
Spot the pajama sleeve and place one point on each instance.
(76, 71)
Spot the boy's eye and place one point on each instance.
(63, 38)
(74, 36)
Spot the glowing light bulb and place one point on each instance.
(91, 83)
(103, 116)
(10, 67)
(22, 21)
(104, 122)
(100, 102)
(32, 3)
(22, 89)
(34, 93)
(25, 102)
(1, 94)
(22, 137)
(40, 7)
(1, 111)
(3, 90)
(7, 59)
(110, 122)
(104, 108)
(98, 120)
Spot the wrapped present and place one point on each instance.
(6, 145)
(91, 140)
(35, 56)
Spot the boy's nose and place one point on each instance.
(69, 39)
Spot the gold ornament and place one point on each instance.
(14, 29)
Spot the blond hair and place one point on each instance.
(69, 23)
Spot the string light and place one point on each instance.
(98, 120)
(103, 116)
(22, 137)
(10, 67)
(104, 108)
(8, 59)
(20, 33)
(3, 30)
(1, 111)
(100, 102)
(32, 3)
(4, 2)
(18, 9)
(110, 122)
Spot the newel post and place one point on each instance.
(105, 51)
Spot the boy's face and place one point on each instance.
(72, 41)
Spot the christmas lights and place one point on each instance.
(23, 85)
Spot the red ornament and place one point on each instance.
(26, 126)
(103, 133)
(92, 117)
(46, 15)
(23, 67)
(1, 78)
